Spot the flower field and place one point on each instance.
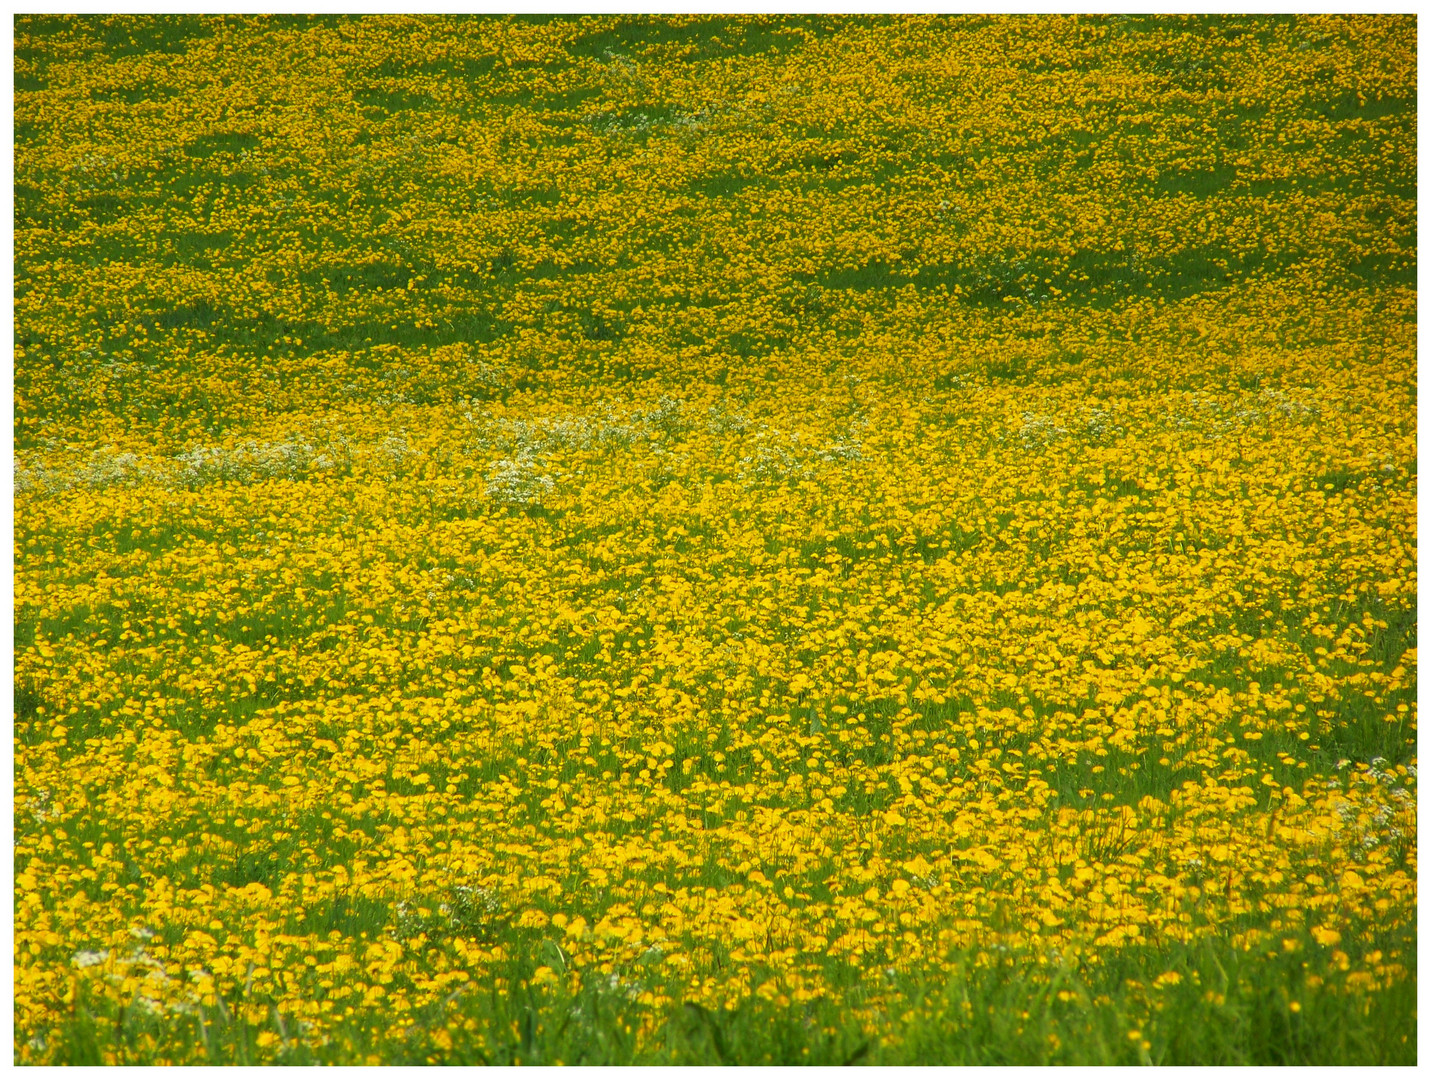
(690, 541)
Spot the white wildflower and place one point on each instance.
(516, 482)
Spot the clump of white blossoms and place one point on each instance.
(292, 458)
(517, 482)
(104, 469)
(1038, 431)
(38, 478)
(113, 470)
(395, 454)
(1099, 426)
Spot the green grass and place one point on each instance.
(1232, 1006)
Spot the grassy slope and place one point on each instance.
(1176, 228)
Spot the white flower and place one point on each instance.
(517, 483)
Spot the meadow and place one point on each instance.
(817, 540)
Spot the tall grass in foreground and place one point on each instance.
(1211, 1003)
